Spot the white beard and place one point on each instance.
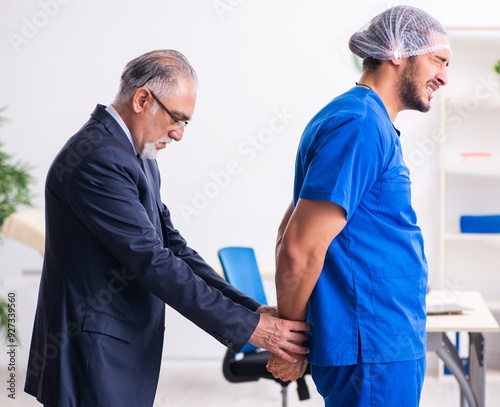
(149, 152)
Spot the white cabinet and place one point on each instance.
(470, 163)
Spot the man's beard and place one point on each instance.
(409, 92)
(149, 152)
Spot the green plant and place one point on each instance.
(15, 183)
(496, 67)
(4, 318)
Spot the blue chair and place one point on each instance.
(241, 270)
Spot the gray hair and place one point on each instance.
(158, 70)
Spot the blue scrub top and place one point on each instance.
(373, 283)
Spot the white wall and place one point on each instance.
(255, 60)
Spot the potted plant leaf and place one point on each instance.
(15, 193)
(496, 69)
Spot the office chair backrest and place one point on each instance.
(242, 271)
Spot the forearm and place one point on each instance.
(288, 278)
(296, 276)
(304, 236)
(282, 228)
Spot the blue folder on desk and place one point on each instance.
(480, 224)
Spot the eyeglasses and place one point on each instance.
(178, 122)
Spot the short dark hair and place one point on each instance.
(371, 64)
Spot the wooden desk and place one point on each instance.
(476, 320)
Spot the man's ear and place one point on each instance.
(397, 62)
(140, 100)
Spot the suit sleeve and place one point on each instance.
(107, 193)
(178, 245)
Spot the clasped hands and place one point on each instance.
(285, 340)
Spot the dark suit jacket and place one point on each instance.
(112, 261)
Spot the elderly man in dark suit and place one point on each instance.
(113, 257)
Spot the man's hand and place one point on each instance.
(281, 337)
(286, 371)
(268, 309)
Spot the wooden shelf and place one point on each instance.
(470, 161)
(467, 237)
(480, 170)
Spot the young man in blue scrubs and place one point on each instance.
(350, 256)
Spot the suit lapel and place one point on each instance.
(100, 114)
(154, 188)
